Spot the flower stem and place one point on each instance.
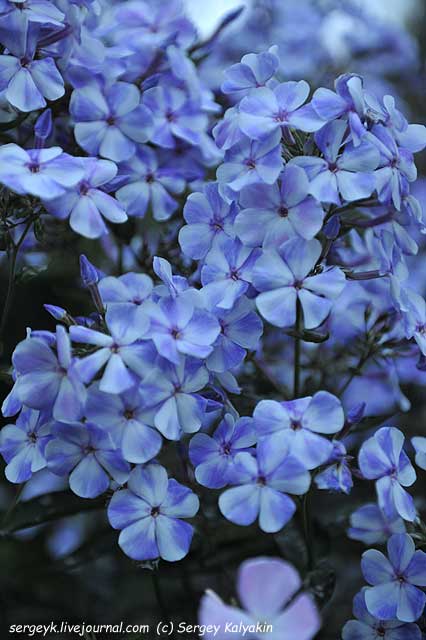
(306, 520)
(296, 382)
(13, 256)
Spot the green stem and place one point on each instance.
(306, 520)
(357, 369)
(12, 272)
(159, 596)
(13, 504)
(297, 345)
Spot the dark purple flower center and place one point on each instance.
(381, 631)
(170, 116)
(89, 449)
(421, 328)
(175, 333)
(129, 414)
(216, 225)
(110, 121)
(333, 167)
(84, 188)
(149, 178)
(32, 437)
(393, 471)
(298, 284)
(251, 163)
(261, 480)
(34, 167)
(233, 274)
(283, 211)
(296, 425)
(155, 511)
(226, 448)
(281, 116)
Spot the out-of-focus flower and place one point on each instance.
(268, 589)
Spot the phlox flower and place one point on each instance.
(254, 71)
(396, 167)
(240, 330)
(45, 173)
(382, 458)
(213, 456)
(209, 220)
(127, 294)
(288, 274)
(88, 454)
(144, 180)
(369, 525)
(149, 515)
(87, 204)
(125, 417)
(38, 11)
(47, 379)
(367, 627)
(265, 110)
(349, 174)
(227, 272)
(26, 79)
(348, 100)
(395, 580)
(171, 392)
(302, 423)
(262, 486)
(337, 475)
(272, 214)
(174, 116)
(419, 444)
(176, 327)
(252, 162)
(268, 589)
(110, 121)
(23, 445)
(118, 352)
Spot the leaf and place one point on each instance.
(47, 508)
(308, 336)
(321, 582)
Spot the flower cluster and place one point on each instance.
(251, 365)
(117, 92)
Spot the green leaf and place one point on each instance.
(308, 336)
